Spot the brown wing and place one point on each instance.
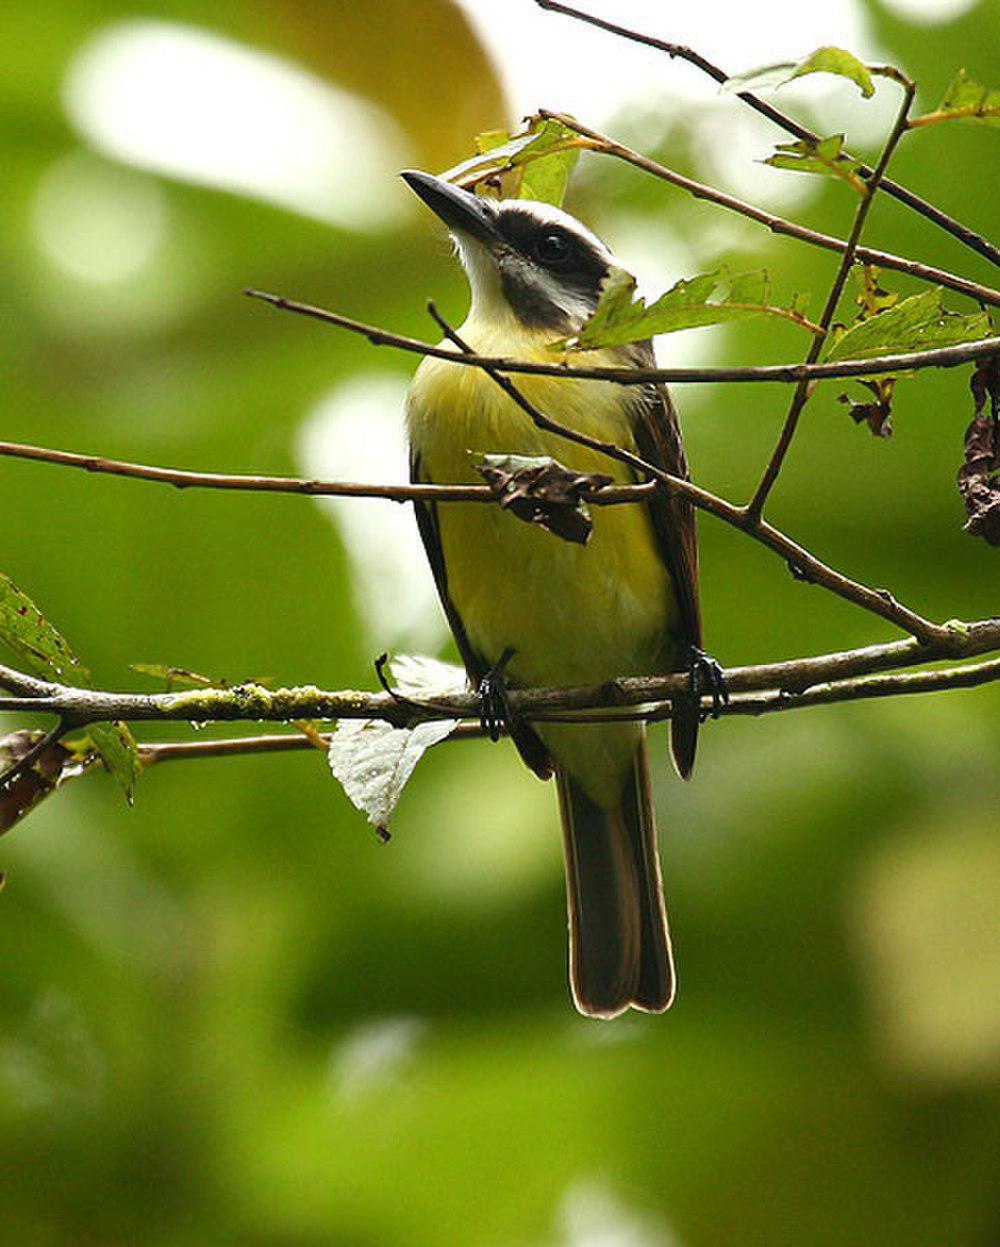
(528, 743)
(658, 440)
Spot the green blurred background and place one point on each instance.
(229, 1016)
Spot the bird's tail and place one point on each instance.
(619, 946)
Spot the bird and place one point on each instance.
(530, 610)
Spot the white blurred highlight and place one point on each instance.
(356, 433)
(100, 223)
(374, 1055)
(205, 109)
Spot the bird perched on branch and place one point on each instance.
(532, 610)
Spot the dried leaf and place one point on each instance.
(821, 156)
(622, 316)
(877, 413)
(542, 491)
(979, 476)
(826, 60)
(56, 765)
(534, 163)
(373, 760)
(46, 653)
(872, 299)
(919, 323)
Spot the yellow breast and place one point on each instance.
(572, 614)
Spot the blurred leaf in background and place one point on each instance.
(229, 1016)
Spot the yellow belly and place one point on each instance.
(572, 614)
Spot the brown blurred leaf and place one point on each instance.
(542, 491)
(877, 413)
(979, 476)
(52, 768)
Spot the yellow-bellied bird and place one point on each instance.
(625, 604)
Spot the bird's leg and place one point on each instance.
(494, 706)
(707, 678)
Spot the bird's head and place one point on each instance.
(524, 259)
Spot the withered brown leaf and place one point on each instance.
(877, 414)
(542, 491)
(56, 764)
(979, 477)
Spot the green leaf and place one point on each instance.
(621, 316)
(535, 163)
(919, 323)
(39, 645)
(824, 156)
(826, 60)
(966, 100)
(46, 653)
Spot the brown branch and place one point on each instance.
(676, 50)
(776, 224)
(755, 507)
(908, 361)
(793, 678)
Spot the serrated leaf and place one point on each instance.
(46, 653)
(825, 156)
(538, 158)
(622, 316)
(966, 100)
(919, 323)
(373, 760)
(35, 641)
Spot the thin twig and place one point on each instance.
(941, 357)
(676, 50)
(777, 225)
(755, 507)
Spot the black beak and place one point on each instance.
(460, 211)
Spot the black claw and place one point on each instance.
(494, 707)
(708, 677)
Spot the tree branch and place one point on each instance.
(908, 361)
(253, 703)
(777, 225)
(755, 507)
(679, 51)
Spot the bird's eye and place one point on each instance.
(553, 249)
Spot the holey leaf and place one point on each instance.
(919, 323)
(823, 156)
(534, 163)
(826, 60)
(55, 766)
(622, 316)
(373, 760)
(46, 653)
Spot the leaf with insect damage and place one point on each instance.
(824, 156)
(372, 759)
(623, 316)
(979, 475)
(877, 411)
(55, 766)
(541, 491)
(46, 653)
(534, 163)
(825, 60)
(919, 323)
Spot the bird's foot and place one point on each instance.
(707, 679)
(494, 705)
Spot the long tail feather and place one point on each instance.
(619, 944)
